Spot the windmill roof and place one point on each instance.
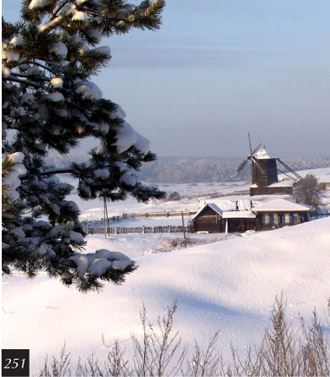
(281, 205)
(263, 154)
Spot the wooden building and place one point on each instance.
(264, 171)
(211, 219)
(270, 215)
(280, 212)
(265, 176)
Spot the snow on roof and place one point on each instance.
(224, 204)
(211, 205)
(238, 214)
(263, 154)
(283, 183)
(282, 205)
(227, 214)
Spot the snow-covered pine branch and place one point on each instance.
(50, 103)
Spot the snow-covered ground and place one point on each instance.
(228, 285)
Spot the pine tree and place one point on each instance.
(51, 104)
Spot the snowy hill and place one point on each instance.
(228, 285)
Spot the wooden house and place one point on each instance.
(280, 212)
(212, 219)
(273, 214)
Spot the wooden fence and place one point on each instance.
(141, 229)
(143, 215)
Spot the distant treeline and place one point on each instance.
(208, 169)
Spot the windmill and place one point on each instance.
(264, 172)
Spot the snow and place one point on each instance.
(238, 214)
(18, 232)
(89, 90)
(38, 4)
(79, 2)
(228, 285)
(17, 41)
(9, 56)
(12, 179)
(142, 144)
(263, 154)
(99, 266)
(103, 50)
(5, 71)
(102, 173)
(97, 263)
(128, 178)
(79, 16)
(60, 49)
(120, 264)
(55, 97)
(126, 137)
(56, 82)
(77, 237)
(27, 98)
(95, 33)
(81, 262)
(282, 205)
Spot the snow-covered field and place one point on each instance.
(228, 284)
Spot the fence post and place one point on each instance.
(184, 231)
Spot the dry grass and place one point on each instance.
(284, 351)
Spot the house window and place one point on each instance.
(287, 218)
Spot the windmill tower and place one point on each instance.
(264, 172)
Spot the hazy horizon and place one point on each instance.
(218, 70)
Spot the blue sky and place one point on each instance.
(220, 68)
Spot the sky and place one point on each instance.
(218, 69)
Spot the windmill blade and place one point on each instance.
(250, 143)
(289, 169)
(258, 165)
(242, 166)
(255, 149)
(282, 172)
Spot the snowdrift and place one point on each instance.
(229, 285)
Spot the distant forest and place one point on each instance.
(194, 170)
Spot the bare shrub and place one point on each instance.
(168, 245)
(58, 367)
(159, 353)
(205, 363)
(284, 351)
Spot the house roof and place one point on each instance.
(211, 205)
(227, 214)
(238, 215)
(263, 154)
(281, 204)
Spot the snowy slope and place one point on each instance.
(228, 285)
